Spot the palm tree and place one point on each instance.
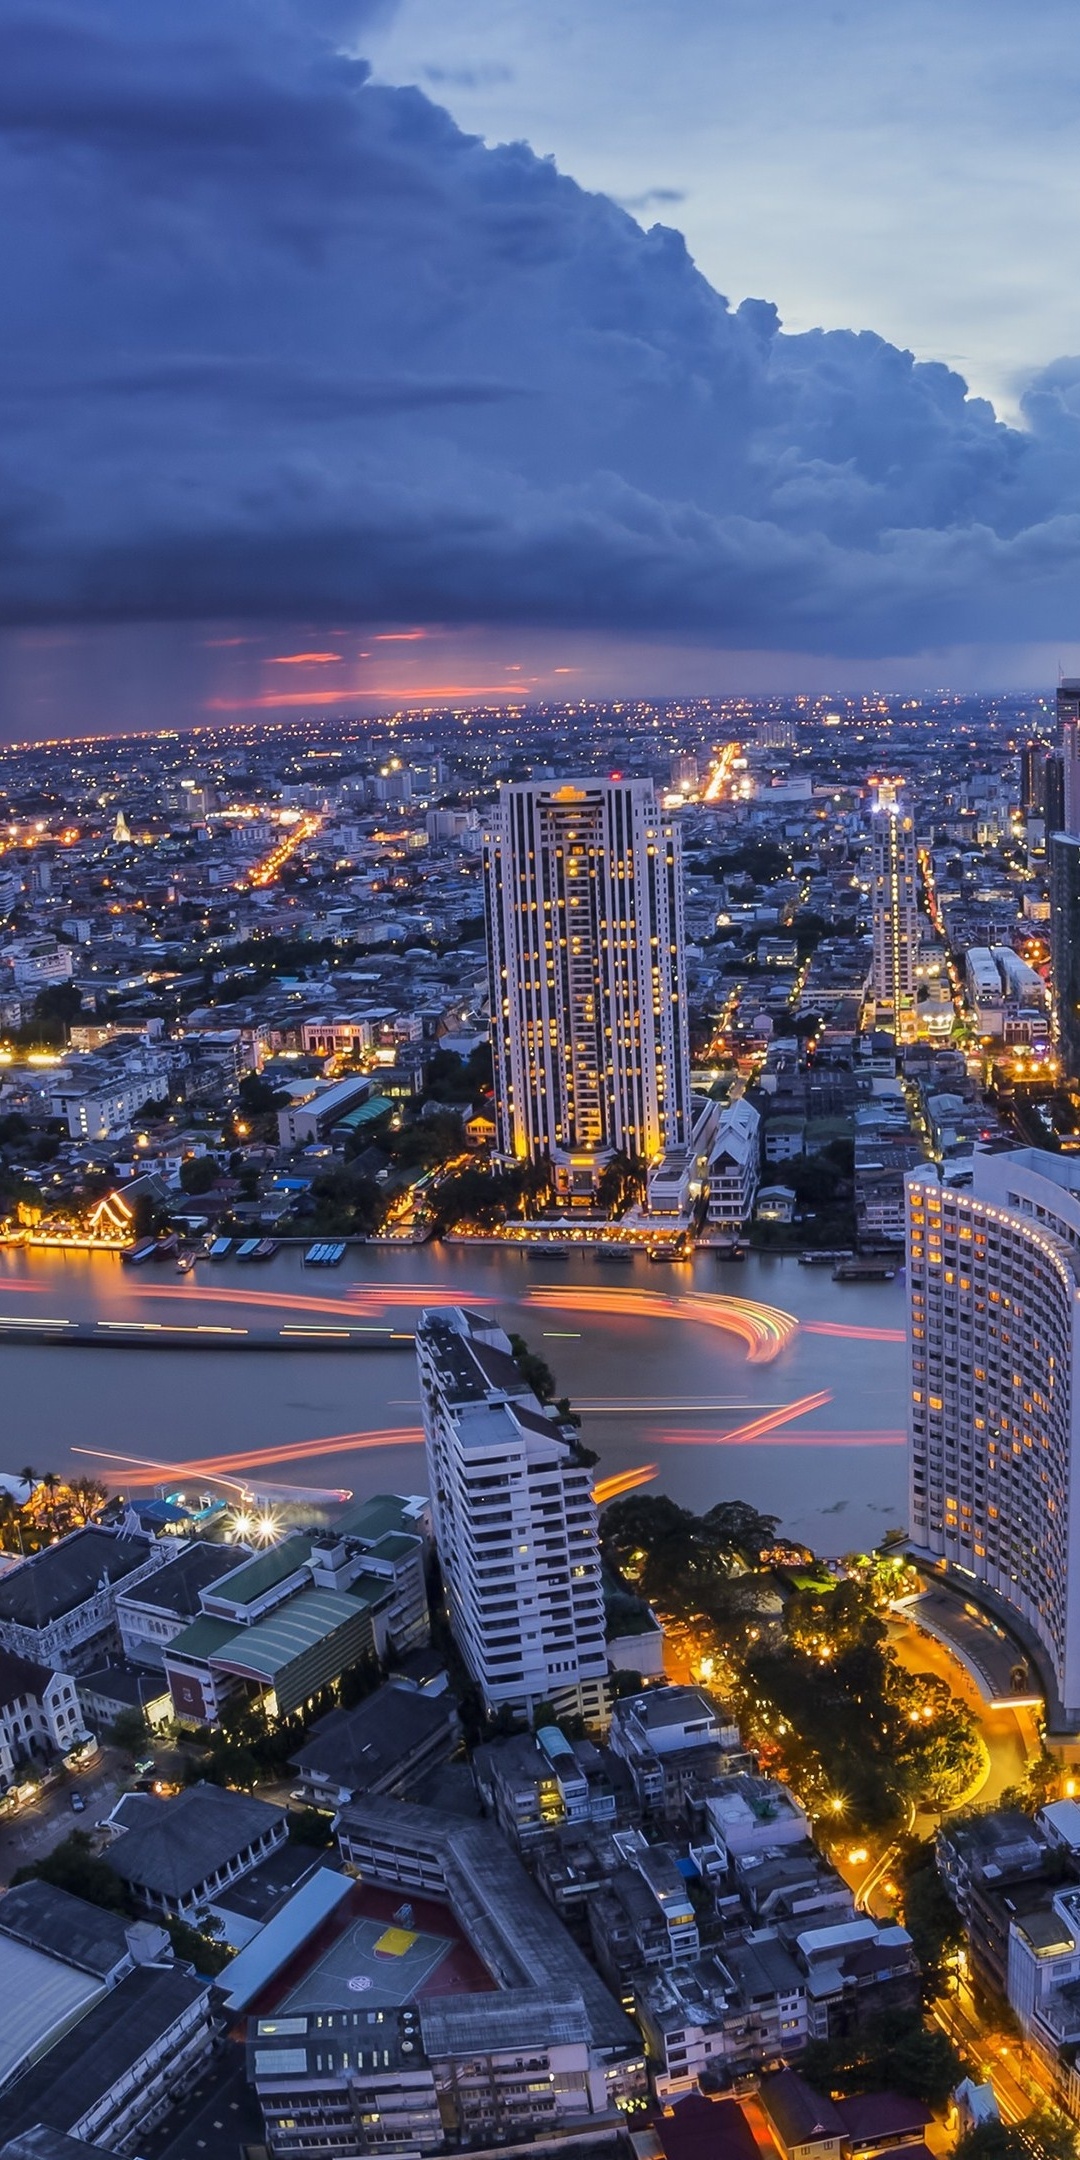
(87, 1497)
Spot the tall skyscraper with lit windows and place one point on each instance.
(894, 884)
(585, 954)
(994, 1414)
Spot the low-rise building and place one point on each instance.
(177, 1854)
(723, 2015)
(675, 1742)
(58, 1608)
(40, 1713)
(855, 1971)
(152, 1611)
(344, 2082)
(387, 1744)
(537, 1783)
(733, 1166)
(119, 2069)
(754, 1815)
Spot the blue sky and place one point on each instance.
(612, 346)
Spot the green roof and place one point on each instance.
(367, 1113)
(251, 1579)
(201, 1639)
(370, 1590)
(374, 1518)
(276, 1642)
(394, 1546)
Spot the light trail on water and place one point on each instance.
(848, 1333)
(765, 1329)
(219, 1466)
(625, 1481)
(776, 1437)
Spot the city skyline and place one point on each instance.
(445, 389)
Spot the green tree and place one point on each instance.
(740, 1529)
(1043, 2135)
(930, 1916)
(193, 1948)
(72, 1865)
(889, 2054)
(307, 1826)
(198, 1173)
(129, 1730)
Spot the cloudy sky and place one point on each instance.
(520, 344)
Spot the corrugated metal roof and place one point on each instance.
(284, 1935)
(41, 1997)
(276, 1642)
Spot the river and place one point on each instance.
(792, 1397)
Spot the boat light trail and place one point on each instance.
(765, 1329)
(358, 1301)
(854, 1334)
(625, 1481)
(777, 1437)
(292, 1451)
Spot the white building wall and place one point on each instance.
(516, 1532)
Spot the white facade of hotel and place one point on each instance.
(588, 1001)
(994, 1422)
(515, 1525)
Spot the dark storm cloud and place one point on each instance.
(279, 340)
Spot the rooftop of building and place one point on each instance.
(365, 1747)
(62, 1577)
(21, 1676)
(250, 1578)
(116, 2032)
(170, 1846)
(41, 2143)
(66, 1927)
(41, 1995)
(175, 1588)
(348, 2041)
(456, 2025)
(699, 2128)
(507, 1919)
(799, 2115)
(267, 1649)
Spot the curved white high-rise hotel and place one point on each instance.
(994, 1415)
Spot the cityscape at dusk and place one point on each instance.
(539, 1081)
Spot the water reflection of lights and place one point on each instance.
(765, 1329)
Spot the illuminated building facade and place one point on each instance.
(894, 873)
(515, 1525)
(1065, 947)
(585, 953)
(994, 1421)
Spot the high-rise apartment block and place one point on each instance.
(994, 1416)
(588, 1002)
(894, 874)
(1068, 720)
(1065, 947)
(515, 1524)
(1063, 846)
